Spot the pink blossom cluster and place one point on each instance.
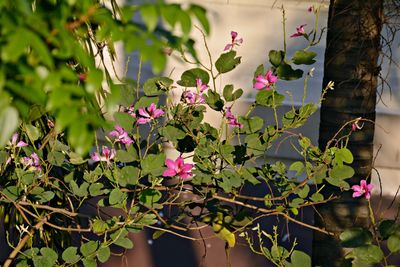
(299, 31)
(232, 120)
(148, 114)
(363, 189)
(15, 142)
(265, 81)
(121, 135)
(32, 162)
(178, 167)
(234, 41)
(106, 155)
(192, 98)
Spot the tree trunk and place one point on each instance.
(351, 62)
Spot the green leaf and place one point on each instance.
(276, 57)
(295, 203)
(298, 167)
(214, 100)
(32, 132)
(227, 62)
(117, 196)
(188, 78)
(149, 16)
(300, 259)
(154, 164)
(93, 81)
(50, 255)
(157, 86)
(89, 262)
(223, 233)
(44, 197)
(304, 57)
(8, 123)
(228, 91)
(70, 255)
(343, 155)
(124, 242)
(99, 226)
(128, 155)
(124, 120)
(341, 172)
(173, 131)
(76, 158)
(355, 237)
(150, 196)
(251, 125)
(120, 239)
(286, 72)
(317, 197)
(80, 191)
(12, 192)
(87, 249)
(185, 22)
(56, 158)
(130, 174)
(393, 243)
(366, 255)
(103, 254)
(387, 228)
(303, 192)
(127, 93)
(269, 98)
(200, 14)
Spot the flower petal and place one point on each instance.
(169, 173)
(170, 164)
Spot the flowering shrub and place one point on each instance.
(48, 185)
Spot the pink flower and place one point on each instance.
(362, 189)
(192, 98)
(300, 31)
(32, 162)
(265, 81)
(200, 86)
(232, 120)
(355, 126)
(178, 167)
(234, 41)
(121, 135)
(14, 142)
(310, 9)
(106, 155)
(131, 111)
(148, 114)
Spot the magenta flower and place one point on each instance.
(234, 41)
(299, 31)
(106, 155)
(192, 98)
(178, 167)
(362, 189)
(14, 142)
(121, 135)
(131, 111)
(32, 162)
(232, 120)
(200, 86)
(265, 81)
(355, 126)
(148, 114)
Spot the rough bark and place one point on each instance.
(351, 62)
